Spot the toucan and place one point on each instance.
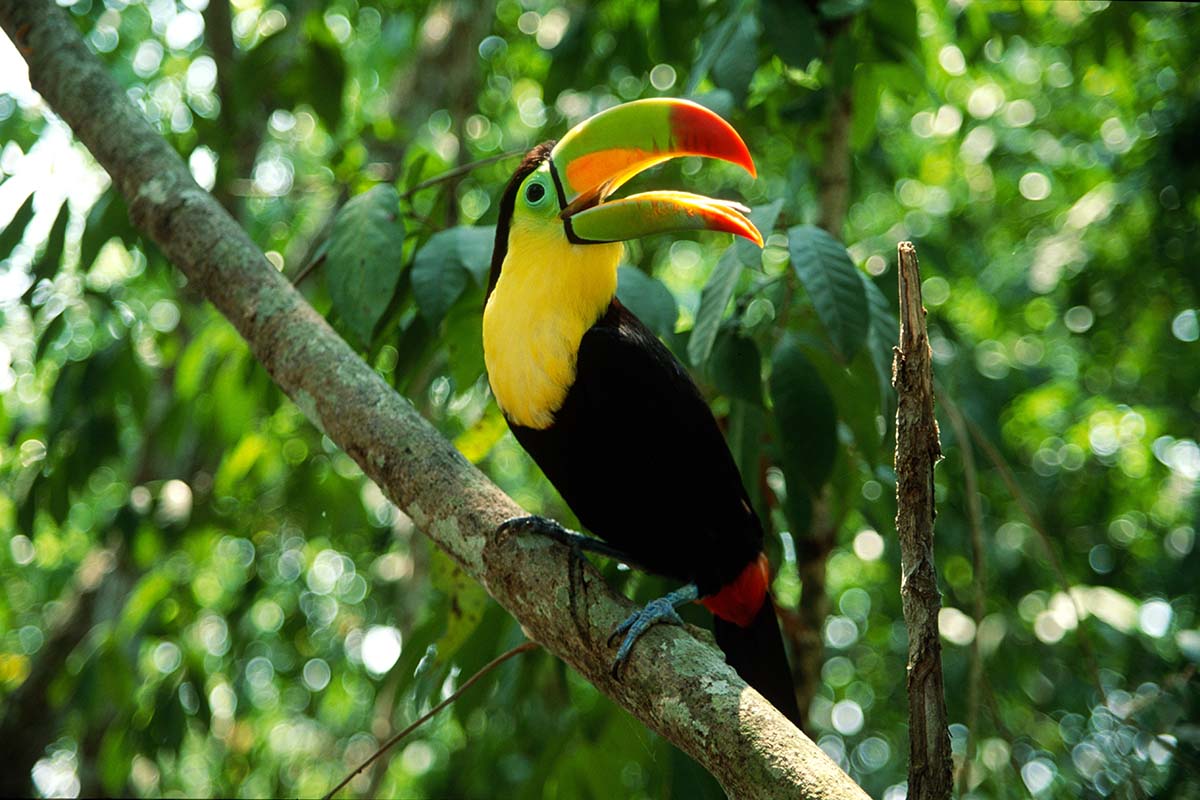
(603, 407)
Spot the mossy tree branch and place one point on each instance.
(675, 684)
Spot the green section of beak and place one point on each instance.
(662, 212)
(604, 151)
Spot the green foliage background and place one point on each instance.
(202, 595)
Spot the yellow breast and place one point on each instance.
(548, 294)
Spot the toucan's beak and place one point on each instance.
(601, 153)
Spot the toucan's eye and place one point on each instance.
(535, 193)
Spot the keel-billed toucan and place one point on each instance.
(604, 408)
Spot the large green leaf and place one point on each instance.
(712, 44)
(648, 299)
(363, 262)
(446, 264)
(792, 31)
(14, 231)
(713, 299)
(806, 418)
(834, 286)
(735, 63)
(884, 334)
(735, 367)
(744, 432)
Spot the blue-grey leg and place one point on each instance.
(660, 610)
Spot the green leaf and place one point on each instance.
(648, 299)
(884, 334)
(363, 262)
(764, 218)
(736, 367)
(446, 264)
(106, 219)
(467, 602)
(735, 63)
(854, 393)
(894, 31)
(834, 286)
(837, 9)
(744, 433)
(238, 462)
(714, 41)
(464, 343)
(807, 420)
(14, 231)
(46, 267)
(863, 128)
(792, 31)
(713, 299)
(326, 71)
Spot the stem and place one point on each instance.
(451, 174)
(524, 647)
(979, 564)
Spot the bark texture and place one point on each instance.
(930, 766)
(675, 684)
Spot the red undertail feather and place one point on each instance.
(739, 602)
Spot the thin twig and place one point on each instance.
(461, 170)
(309, 267)
(1035, 521)
(390, 743)
(979, 564)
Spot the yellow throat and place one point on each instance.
(547, 296)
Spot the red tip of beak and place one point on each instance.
(697, 130)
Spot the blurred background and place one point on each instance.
(203, 596)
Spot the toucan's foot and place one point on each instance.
(660, 610)
(551, 529)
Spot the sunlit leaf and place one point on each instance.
(467, 601)
(238, 462)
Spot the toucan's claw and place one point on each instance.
(553, 530)
(637, 623)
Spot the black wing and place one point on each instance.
(637, 455)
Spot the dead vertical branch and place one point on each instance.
(930, 773)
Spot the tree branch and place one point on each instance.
(675, 684)
(930, 766)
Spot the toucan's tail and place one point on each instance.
(756, 652)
